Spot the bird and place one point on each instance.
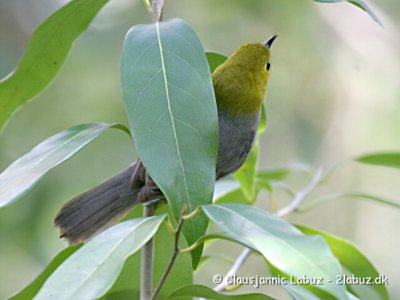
(240, 85)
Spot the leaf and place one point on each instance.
(170, 102)
(228, 191)
(127, 286)
(215, 59)
(30, 291)
(247, 174)
(263, 120)
(389, 159)
(378, 199)
(273, 174)
(92, 270)
(27, 170)
(45, 54)
(373, 198)
(354, 261)
(300, 293)
(196, 290)
(297, 292)
(360, 4)
(282, 244)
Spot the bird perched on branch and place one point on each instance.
(240, 85)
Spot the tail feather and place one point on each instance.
(94, 210)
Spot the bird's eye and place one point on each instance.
(268, 66)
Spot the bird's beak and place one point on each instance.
(269, 42)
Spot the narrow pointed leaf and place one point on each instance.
(26, 171)
(92, 270)
(196, 290)
(170, 103)
(389, 159)
(373, 198)
(360, 4)
(273, 174)
(355, 262)
(247, 174)
(45, 54)
(31, 290)
(215, 59)
(282, 244)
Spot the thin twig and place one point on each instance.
(293, 205)
(233, 270)
(301, 195)
(175, 253)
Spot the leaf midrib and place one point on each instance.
(171, 114)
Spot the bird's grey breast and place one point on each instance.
(236, 137)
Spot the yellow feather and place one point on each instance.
(240, 82)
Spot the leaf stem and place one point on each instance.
(192, 214)
(175, 253)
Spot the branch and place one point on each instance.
(292, 206)
(233, 270)
(157, 10)
(146, 270)
(301, 195)
(147, 255)
(175, 253)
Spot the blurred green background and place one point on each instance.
(334, 93)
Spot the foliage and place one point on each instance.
(46, 52)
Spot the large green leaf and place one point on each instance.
(170, 102)
(282, 244)
(127, 286)
(30, 291)
(26, 171)
(92, 270)
(45, 54)
(360, 4)
(388, 159)
(355, 262)
(215, 59)
(196, 290)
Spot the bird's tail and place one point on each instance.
(98, 208)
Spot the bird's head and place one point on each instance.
(240, 82)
